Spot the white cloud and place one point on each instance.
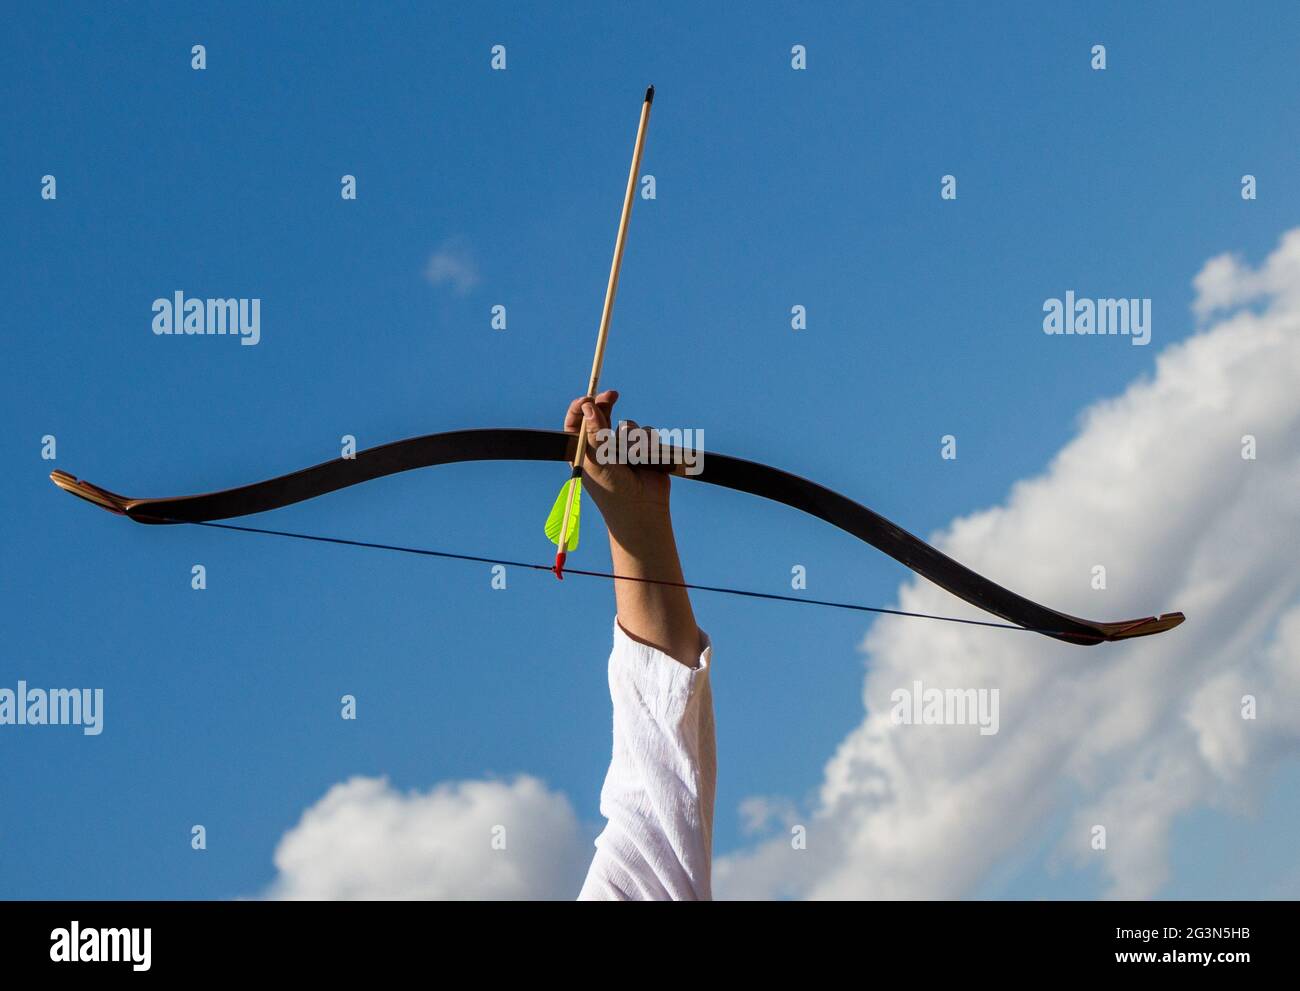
(452, 266)
(1127, 736)
(1226, 281)
(758, 813)
(364, 839)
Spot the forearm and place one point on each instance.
(653, 610)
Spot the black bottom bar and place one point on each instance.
(1221, 941)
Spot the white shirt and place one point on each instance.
(658, 794)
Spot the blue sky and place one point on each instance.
(774, 188)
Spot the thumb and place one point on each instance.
(594, 420)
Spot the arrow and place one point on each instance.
(562, 523)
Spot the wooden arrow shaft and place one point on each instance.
(607, 311)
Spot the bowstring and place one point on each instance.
(586, 573)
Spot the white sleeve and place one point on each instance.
(658, 794)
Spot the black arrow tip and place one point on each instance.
(650, 95)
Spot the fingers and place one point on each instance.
(573, 416)
(604, 405)
(630, 433)
(606, 400)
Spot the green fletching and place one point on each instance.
(556, 520)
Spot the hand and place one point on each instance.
(629, 497)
